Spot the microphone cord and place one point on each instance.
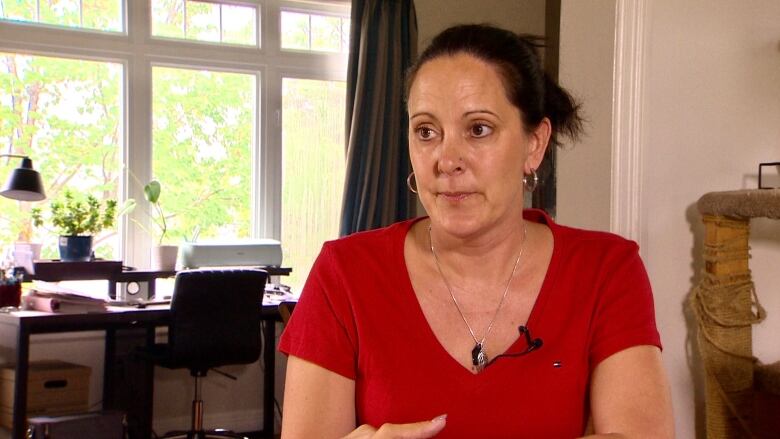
(532, 345)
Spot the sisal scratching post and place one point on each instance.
(723, 303)
(726, 307)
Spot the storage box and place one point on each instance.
(53, 388)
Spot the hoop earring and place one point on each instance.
(530, 184)
(409, 183)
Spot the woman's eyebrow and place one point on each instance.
(421, 114)
(473, 112)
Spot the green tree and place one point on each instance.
(65, 115)
(203, 135)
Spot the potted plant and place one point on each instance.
(163, 256)
(77, 220)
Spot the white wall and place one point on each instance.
(709, 113)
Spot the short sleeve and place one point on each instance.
(624, 315)
(321, 329)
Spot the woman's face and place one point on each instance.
(468, 146)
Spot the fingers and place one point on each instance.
(365, 431)
(416, 430)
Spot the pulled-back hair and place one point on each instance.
(517, 61)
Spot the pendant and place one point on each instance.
(479, 358)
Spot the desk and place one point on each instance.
(135, 397)
(56, 271)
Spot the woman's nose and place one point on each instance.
(451, 155)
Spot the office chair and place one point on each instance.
(215, 321)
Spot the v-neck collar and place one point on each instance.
(427, 335)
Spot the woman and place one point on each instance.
(481, 320)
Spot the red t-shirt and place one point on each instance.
(359, 317)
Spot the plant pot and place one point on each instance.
(75, 248)
(164, 257)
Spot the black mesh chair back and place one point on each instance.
(215, 318)
(215, 321)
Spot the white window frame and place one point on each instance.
(139, 52)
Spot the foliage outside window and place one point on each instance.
(65, 114)
(313, 169)
(202, 136)
(100, 15)
(205, 21)
(314, 32)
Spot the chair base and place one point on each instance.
(202, 434)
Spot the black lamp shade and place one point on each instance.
(24, 183)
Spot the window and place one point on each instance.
(314, 32)
(202, 135)
(229, 115)
(206, 21)
(101, 15)
(312, 168)
(66, 114)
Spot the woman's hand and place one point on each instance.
(320, 403)
(417, 430)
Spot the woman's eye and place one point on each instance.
(480, 130)
(425, 133)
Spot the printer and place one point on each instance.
(250, 252)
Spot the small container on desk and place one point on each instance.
(10, 294)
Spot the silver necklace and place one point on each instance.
(479, 358)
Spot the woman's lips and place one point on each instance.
(455, 196)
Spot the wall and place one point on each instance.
(433, 16)
(708, 112)
(587, 73)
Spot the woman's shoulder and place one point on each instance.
(568, 237)
(371, 241)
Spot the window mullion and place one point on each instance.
(138, 148)
(221, 27)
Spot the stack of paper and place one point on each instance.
(49, 297)
(278, 293)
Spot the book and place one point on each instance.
(49, 297)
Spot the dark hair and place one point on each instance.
(517, 60)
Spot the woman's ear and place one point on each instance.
(538, 140)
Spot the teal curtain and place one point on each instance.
(383, 44)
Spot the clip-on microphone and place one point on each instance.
(532, 344)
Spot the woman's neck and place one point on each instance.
(486, 256)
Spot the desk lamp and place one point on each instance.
(24, 183)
